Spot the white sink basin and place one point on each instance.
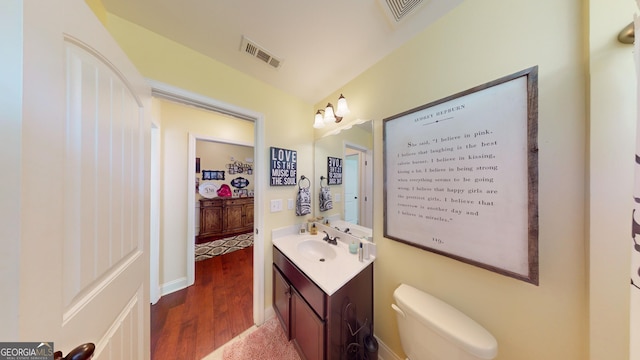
(316, 250)
(328, 266)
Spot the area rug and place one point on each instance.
(223, 246)
(268, 342)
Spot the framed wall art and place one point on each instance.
(283, 167)
(461, 176)
(334, 170)
(212, 175)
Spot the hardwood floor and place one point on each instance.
(191, 323)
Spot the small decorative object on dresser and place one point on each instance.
(208, 189)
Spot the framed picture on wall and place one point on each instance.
(212, 175)
(334, 170)
(283, 167)
(461, 176)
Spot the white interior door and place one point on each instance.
(352, 188)
(83, 260)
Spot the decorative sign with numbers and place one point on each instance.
(461, 176)
(334, 171)
(284, 164)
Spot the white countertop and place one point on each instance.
(329, 275)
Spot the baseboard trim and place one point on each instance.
(173, 286)
(385, 353)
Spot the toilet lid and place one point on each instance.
(447, 321)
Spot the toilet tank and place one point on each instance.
(431, 329)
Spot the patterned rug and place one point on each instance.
(223, 246)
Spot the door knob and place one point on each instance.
(82, 352)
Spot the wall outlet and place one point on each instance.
(276, 205)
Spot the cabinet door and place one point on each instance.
(233, 217)
(210, 219)
(248, 215)
(307, 329)
(282, 300)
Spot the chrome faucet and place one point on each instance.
(328, 239)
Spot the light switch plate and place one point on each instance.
(289, 204)
(276, 205)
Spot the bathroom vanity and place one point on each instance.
(323, 297)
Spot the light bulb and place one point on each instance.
(328, 114)
(342, 108)
(319, 122)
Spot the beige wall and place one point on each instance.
(611, 134)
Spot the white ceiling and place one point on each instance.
(323, 44)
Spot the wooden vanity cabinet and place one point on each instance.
(223, 217)
(316, 323)
(307, 329)
(282, 300)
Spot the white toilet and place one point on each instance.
(431, 329)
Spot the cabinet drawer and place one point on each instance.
(210, 202)
(311, 293)
(239, 201)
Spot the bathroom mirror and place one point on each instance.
(352, 199)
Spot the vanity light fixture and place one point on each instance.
(331, 116)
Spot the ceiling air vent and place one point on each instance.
(396, 10)
(253, 49)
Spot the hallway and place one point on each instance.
(193, 322)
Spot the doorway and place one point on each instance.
(352, 186)
(356, 185)
(167, 92)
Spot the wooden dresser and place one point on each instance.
(223, 217)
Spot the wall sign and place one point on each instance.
(334, 171)
(284, 165)
(238, 168)
(239, 182)
(212, 175)
(461, 176)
